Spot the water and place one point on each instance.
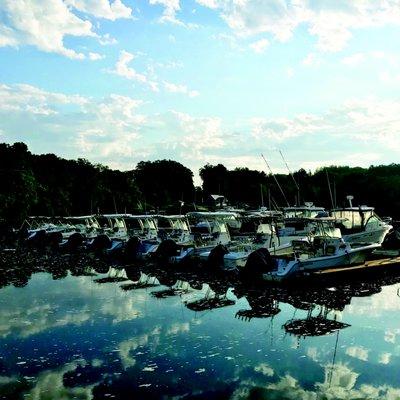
(82, 336)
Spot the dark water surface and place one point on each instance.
(102, 335)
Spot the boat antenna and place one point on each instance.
(294, 180)
(276, 180)
(262, 195)
(329, 186)
(350, 198)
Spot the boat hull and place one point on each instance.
(373, 236)
(348, 258)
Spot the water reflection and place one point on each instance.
(73, 327)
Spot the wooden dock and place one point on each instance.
(369, 265)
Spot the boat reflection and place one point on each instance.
(318, 325)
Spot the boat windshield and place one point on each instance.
(355, 219)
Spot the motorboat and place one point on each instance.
(308, 210)
(361, 225)
(320, 253)
(277, 237)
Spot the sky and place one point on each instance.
(203, 81)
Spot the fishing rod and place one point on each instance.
(294, 180)
(276, 180)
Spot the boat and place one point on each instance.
(361, 225)
(277, 236)
(308, 210)
(320, 253)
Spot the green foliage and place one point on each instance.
(50, 185)
(377, 186)
(163, 182)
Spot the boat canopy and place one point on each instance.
(307, 211)
(213, 215)
(355, 217)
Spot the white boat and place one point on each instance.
(361, 225)
(319, 254)
(278, 239)
(308, 210)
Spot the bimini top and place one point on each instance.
(355, 209)
(115, 215)
(141, 216)
(80, 217)
(216, 214)
(304, 208)
(170, 216)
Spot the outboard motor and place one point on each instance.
(37, 239)
(73, 242)
(216, 256)
(133, 274)
(100, 243)
(166, 249)
(53, 239)
(132, 248)
(258, 263)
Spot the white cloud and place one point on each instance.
(312, 60)
(123, 69)
(171, 8)
(107, 39)
(384, 358)
(43, 24)
(370, 120)
(358, 352)
(265, 369)
(95, 56)
(22, 97)
(354, 60)
(103, 130)
(259, 46)
(389, 78)
(50, 385)
(331, 22)
(290, 72)
(106, 9)
(280, 129)
(46, 23)
(183, 89)
(209, 3)
(199, 133)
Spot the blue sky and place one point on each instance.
(118, 81)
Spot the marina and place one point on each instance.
(199, 200)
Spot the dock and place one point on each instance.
(368, 265)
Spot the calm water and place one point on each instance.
(101, 335)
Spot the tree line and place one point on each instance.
(50, 185)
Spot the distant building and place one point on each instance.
(216, 201)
